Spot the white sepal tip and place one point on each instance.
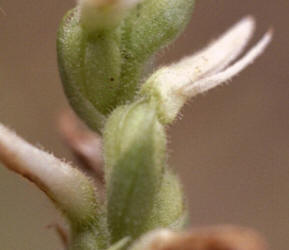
(220, 77)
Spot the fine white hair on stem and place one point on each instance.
(66, 186)
(223, 76)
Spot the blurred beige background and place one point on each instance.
(231, 147)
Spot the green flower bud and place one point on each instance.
(142, 193)
(102, 63)
(90, 69)
(135, 144)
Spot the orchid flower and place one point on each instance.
(175, 84)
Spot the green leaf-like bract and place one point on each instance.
(143, 194)
(134, 153)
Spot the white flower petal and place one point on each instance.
(218, 54)
(66, 186)
(215, 80)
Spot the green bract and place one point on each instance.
(102, 67)
(135, 162)
(143, 194)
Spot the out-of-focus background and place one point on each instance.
(231, 147)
